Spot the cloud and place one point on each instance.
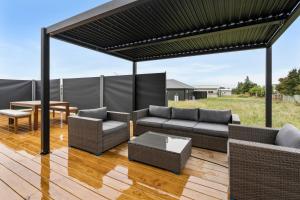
(204, 67)
(194, 72)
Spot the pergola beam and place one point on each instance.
(45, 92)
(285, 25)
(192, 34)
(197, 52)
(96, 13)
(90, 46)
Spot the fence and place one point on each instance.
(118, 93)
(54, 90)
(292, 99)
(14, 90)
(151, 89)
(114, 92)
(83, 93)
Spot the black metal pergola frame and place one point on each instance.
(141, 30)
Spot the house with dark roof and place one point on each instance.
(177, 90)
(180, 91)
(212, 90)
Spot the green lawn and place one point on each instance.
(250, 109)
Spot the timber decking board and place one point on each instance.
(69, 173)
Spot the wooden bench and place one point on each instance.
(14, 115)
(63, 109)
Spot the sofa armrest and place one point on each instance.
(138, 114)
(86, 125)
(255, 134)
(235, 119)
(85, 133)
(263, 171)
(79, 119)
(118, 116)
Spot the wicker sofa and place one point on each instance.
(96, 134)
(259, 169)
(208, 133)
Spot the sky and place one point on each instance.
(21, 22)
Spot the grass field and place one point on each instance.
(250, 109)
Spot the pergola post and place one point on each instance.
(269, 87)
(45, 83)
(134, 86)
(101, 91)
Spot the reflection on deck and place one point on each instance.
(69, 173)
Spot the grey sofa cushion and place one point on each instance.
(212, 129)
(215, 116)
(288, 136)
(186, 114)
(97, 113)
(160, 111)
(112, 126)
(185, 125)
(152, 121)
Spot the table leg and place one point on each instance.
(16, 124)
(67, 113)
(29, 122)
(10, 120)
(35, 118)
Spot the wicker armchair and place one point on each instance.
(258, 168)
(95, 135)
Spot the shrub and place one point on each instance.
(290, 85)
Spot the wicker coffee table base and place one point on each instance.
(164, 159)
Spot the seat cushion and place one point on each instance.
(152, 121)
(288, 136)
(215, 116)
(14, 113)
(160, 111)
(112, 126)
(185, 114)
(179, 124)
(212, 129)
(97, 113)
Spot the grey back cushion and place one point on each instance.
(160, 111)
(186, 114)
(215, 116)
(97, 113)
(288, 136)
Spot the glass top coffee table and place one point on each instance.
(161, 150)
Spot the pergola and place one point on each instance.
(142, 30)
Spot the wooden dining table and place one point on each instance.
(36, 105)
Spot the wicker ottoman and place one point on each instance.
(164, 151)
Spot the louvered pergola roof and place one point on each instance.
(139, 30)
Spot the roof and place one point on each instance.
(175, 84)
(139, 30)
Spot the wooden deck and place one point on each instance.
(68, 173)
